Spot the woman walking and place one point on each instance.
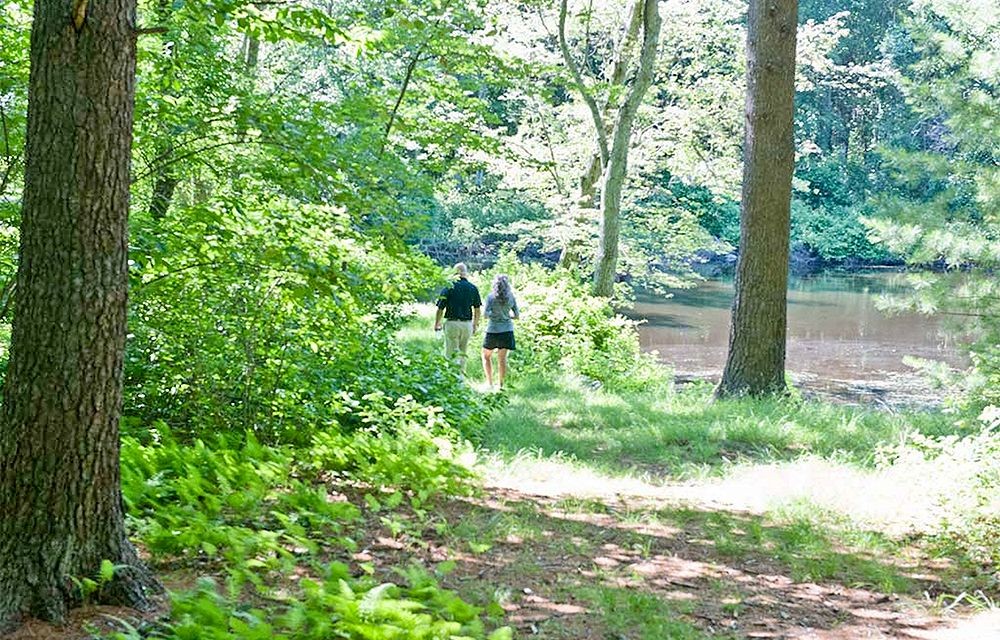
(501, 311)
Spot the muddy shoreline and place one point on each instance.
(902, 392)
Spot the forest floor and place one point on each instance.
(570, 568)
(594, 524)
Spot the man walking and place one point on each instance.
(459, 305)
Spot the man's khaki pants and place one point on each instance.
(456, 340)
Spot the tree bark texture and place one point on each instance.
(616, 167)
(60, 495)
(755, 364)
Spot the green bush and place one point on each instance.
(336, 606)
(277, 320)
(718, 215)
(970, 512)
(564, 329)
(264, 515)
(835, 234)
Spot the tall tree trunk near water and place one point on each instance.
(617, 164)
(756, 361)
(60, 494)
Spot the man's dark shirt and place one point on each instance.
(458, 300)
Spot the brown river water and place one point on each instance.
(839, 344)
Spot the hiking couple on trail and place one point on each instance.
(460, 304)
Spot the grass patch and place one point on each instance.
(634, 614)
(685, 434)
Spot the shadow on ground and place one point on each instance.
(584, 569)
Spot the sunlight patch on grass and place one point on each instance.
(895, 500)
(982, 626)
(560, 476)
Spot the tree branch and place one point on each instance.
(7, 296)
(595, 112)
(553, 169)
(6, 136)
(7, 156)
(226, 143)
(643, 78)
(615, 75)
(410, 68)
(402, 92)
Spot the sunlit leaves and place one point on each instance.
(947, 209)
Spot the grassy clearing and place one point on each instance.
(684, 434)
(604, 514)
(849, 469)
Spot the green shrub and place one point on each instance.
(971, 512)
(835, 234)
(247, 506)
(278, 320)
(564, 329)
(263, 515)
(336, 606)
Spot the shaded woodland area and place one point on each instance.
(225, 414)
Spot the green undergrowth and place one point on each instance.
(581, 395)
(270, 519)
(686, 436)
(269, 527)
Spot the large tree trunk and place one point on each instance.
(617, 164)
(60, 495)
(756, 361)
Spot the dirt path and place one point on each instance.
(587, 569)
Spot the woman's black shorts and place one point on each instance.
(503, 340)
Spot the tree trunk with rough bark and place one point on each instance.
(756, 361)
(617, 165)
(60, 494)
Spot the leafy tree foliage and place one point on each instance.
(947, 208)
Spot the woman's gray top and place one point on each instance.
(498, 314)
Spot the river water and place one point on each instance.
(839, 343)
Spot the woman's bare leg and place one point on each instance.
(502, 365)
(488, 366)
